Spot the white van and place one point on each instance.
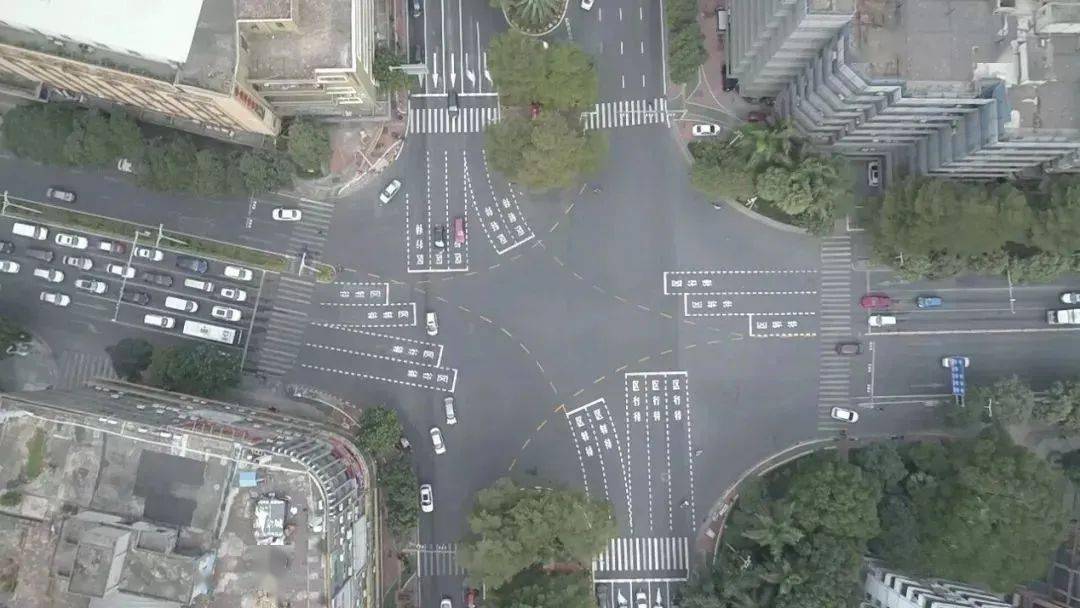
(199, 284)
(181, 304)
(721, 20)
(159, 321)
(30, 231)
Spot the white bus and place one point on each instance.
(226, 335)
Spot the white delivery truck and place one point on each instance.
(1065, 316)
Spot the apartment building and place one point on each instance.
(220, 67)
(884, 588)
(974, 89)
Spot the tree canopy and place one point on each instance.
(399, 490)
(535, 588)
(686, 45)
(195, 369)
(559, 77)
(389, 80)
(379, 432)
(514, 528)
(308, 143)
(545, 152)
(531, 15)
(130, 357)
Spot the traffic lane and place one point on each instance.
(980, 298)
(964, 320)
(911, 365)
(113, 194)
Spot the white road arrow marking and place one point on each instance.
(487, 74)
(435, 68)
(453, 74)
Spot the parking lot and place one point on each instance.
(135, 283)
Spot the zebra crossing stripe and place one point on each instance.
(644, 555)
(627, 113)
(439, 120)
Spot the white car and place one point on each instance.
(9, 266)
(55, 298)
(71, 240)
(873, 173)
(390, 190)
(448, 409)
(427, 499)
(233, 293)
(705, 130)
(841, 413)
(49, 274)
(641, 600)
(446, 603)
(431, 320)
(120, 270)
(225, 313)
(92, 285)
(945, 361)
(586, 5)
(436, 440)
(124, 165)
(882, 320)
(148, 253)
(287, 214)
(1071, 297)
(239, 273)
(81, 263)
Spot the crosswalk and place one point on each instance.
(650, 554)
(834, 373)
(438, 561)
(312, 229)
(77, 367)
(628, 113)
(276, 344)
(440, 120)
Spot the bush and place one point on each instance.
(130, 357)
(195, 369)
(389, 80)
(686, 46)
(11, 498)
(400, 492)
(308, 143)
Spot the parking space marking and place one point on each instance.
(414, 350)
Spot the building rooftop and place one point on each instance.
(168, 577)
(263, 9)
(212, 62)
(98, 560)
(156, 29)
(831, 6)
(323, 39)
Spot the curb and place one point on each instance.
(768, 221)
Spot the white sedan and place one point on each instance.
(71, 240)
(586, 5)
(238, 272)
(390, 190)
(148, 253)
(427, 499)
(120, 270)
(233, 293)
(436, 440)
(705, 130)
(841, 413)
(287, 214)
(9, 266)
(225, 313)
(55, 298)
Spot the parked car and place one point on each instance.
(287, 214)
(705, 130)
(45, 255)
(873, 173)
(427, 500)
(49, 274)
(848, 349)
(459, 230)
(120, 270)
(882, 320)
(448, 409)
(80, 262)
(390, 190)
(875, 301)
(91, 285)
(438, 236)
(135, 296)
(9, 266)
(56, 193)
(149, 253)
(729, 84)
(233, 293)
(238, 272)
(192, 264)
(158, 278)
(55, 298)
(928, 302)
(225, 313)
(436, 440)
(431, 322)
(842, 413)
(161, 321)
(71, 240)
(114, 247)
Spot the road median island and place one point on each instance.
(125, 230)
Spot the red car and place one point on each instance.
(470, 598)
(459, 230)
(875, 301)
(757, 116)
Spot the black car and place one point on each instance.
(7, 247)
(438, 235)
(452, 102)
(56, 193)
(729, 84)
(191, 264)
(158, 278)
(848, 349)
(136, 297)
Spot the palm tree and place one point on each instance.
(769, 145)
(781, 574)
(775, 529)
(534, 13)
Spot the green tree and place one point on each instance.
(836, 498)
(196, 369)
(169, 164)
(531, 14)
(1057, 227)
(775, 529)
(264, 171)
(535, 588)
(547, 152)
(560, 77)
(686, 53)
(514, 528)
(378, 432)
(130, 357)
(11, 498)
(399, 491)
(883, 462)
(1011, 400)
(1070, 465)
(768, 145)
(898, 542)
(720, 170)
(39, 131)
(309, 145)
(11, 334)
(571, 81)
(211, 173)
(389, 80)
(1059, 404)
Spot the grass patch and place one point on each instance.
(325, 274)
(126, 230)
(35, 454)
(10, 498)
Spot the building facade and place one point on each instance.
(884, 588)
(975, 89)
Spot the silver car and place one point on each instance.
(390, 190)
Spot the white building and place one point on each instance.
(887, 589)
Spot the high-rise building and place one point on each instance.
(215, 66)
(977, 89)
(884, 588)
